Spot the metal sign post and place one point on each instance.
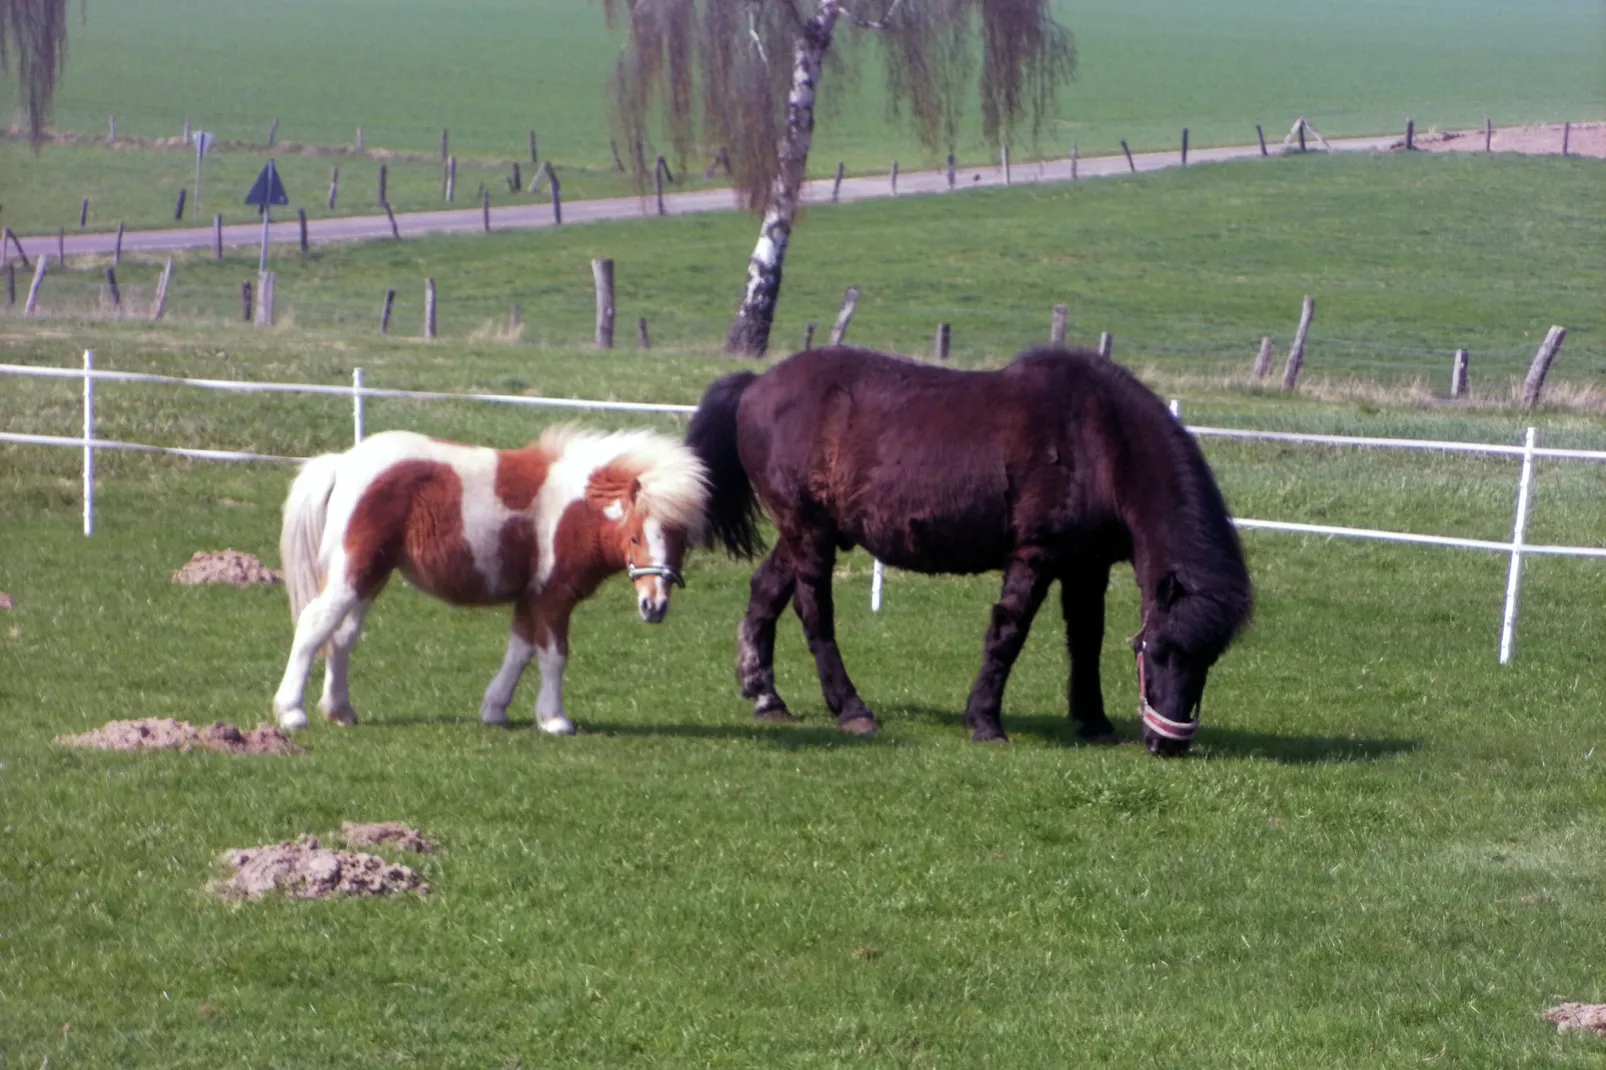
(266, 192)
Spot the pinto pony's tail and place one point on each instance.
(301, 537)
(732, 506)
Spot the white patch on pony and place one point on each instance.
(615, 510)
(493, 709)
(549, 715)
(657, 554)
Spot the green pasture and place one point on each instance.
(1386, 851)
(490, 71)
(1408, 257)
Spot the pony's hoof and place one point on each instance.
(860, 726)
(496, 718)
(292, 720)
(989, 735)
(556, 726)
(344, 715)
(775, 712)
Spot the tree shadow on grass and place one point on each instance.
(1222, 742)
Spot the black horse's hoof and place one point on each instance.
(863, 725)
(988, 735)
(776, 715)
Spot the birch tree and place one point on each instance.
(35, 31)
(756, 66)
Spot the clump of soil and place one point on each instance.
(6, 602)
(164, 733)
(1580, 1016)
(386, 834)
(227, 566)
(304, 869)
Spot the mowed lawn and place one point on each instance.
(1386, 849)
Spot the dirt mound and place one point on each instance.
(386, 834)
(304, 869)
(164, 733)
(6, 602)
(1580, 1016)
(227, 566)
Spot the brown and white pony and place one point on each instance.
(539, 527)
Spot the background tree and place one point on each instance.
(757, 65)
(36, 31)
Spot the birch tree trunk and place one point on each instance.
(750, 330)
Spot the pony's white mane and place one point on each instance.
(674, 483)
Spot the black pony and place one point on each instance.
(1053, 468)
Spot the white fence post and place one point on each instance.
(877, 577)
(1508, 624)
(356, 403)
(89, 437)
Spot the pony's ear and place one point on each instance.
(634, 492)
(1169, 591)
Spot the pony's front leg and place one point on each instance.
(1024, 587)
(1082, 601)
(813, 602)
(520, 649)
(317, 625)
(549, 636)
(336, 702)
(772, 586)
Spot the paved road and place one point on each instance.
(537, 215)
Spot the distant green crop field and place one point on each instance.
(489, 70)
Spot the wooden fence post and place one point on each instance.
(1130, 165)
(1300, 126)
(265, 288)
(1184, 146)
(1075, 157)
(11, 236)
(1056, 327)
(429, 308)
(449, 180)
(83, 214)
(245, 301)
(217, 237)
(602, 280)
(395, 231)
(1107, 345)
(642, 341)
(159, 305)
(485, 209)
(515, 322)
(1296, 352)
(894, 178)
(939, 344)
(1488, 135)
(33, 289)
(443, 143)
(334, 187)
(359, 137)
(178, 209)
(117, 250)
(658, 183)
(557, 192)
(836, 188)
(61, 249)
(1458, 374)
(1534, 385)
(273, 133)
(533, 159)
(515, 184)
(850, 301)
(384, 312)
(641, 158)
(950, 170)
(1410, 134)
(111, 128)
(301, 213)
(1261, 136)
(384, 173)
(808, 336)
(1007, 181)
(1262, 363)
(1566, 136)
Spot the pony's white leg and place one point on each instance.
(318, 622)
(336, 702)
(549, 715)
(493, 710)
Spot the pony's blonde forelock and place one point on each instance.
(674, 483)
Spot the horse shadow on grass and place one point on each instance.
(1225, 742)
(822, 733)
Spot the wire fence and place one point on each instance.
(1529, 453)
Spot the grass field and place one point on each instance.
(1408, 257)
(490, 71)
(1386, 851)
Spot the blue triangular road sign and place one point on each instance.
(268, 188)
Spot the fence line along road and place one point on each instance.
(1517, 548)
(538, 215)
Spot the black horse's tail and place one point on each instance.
(732, 506)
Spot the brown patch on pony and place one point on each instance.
(520, 474)
(613, 482)
(544, 621)
(411, 518)
(583, 550)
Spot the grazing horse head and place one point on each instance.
(1184, 632)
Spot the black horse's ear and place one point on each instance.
(1169, 591)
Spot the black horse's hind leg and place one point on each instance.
(1082, 601)
(771, 589)
(1024, 587)
(815, 609)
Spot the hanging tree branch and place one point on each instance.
(37, 31)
